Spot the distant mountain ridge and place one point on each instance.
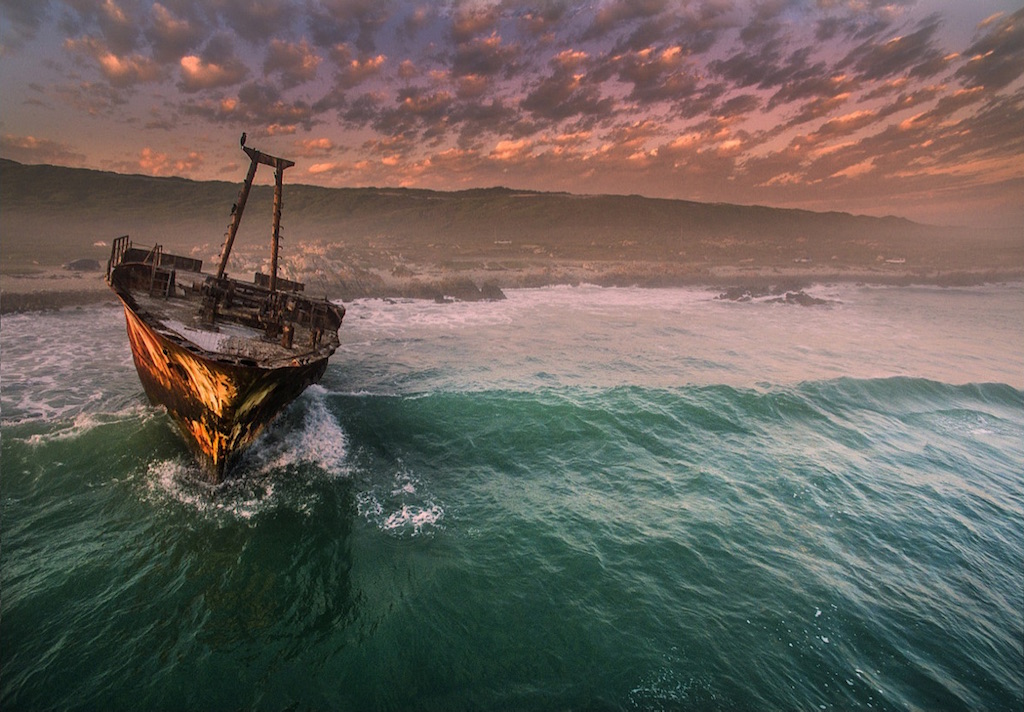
(46, 187)
(75, 208)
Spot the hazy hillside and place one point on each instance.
(50, 215)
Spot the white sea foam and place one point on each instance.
(400, 508)
(413, 519)
(319, 441)
(520, 306)
(81, 424)
(58, 365)
(266, 477)
(179, 480)
(666, 689)
(397, 316)
(678, 337)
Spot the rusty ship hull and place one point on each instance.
(223, 371)
(220, 408)
(224, 356)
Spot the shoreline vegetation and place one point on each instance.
(352, 243)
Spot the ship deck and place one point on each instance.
(233, 337)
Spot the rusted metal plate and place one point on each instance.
(220, 408)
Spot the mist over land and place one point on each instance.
(349, 243)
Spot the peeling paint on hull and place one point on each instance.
(220, 408)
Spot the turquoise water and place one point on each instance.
(578, 498)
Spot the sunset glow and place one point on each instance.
(912, 108)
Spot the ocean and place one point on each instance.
(577, 498)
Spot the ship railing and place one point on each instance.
(283, 307)
(155, 256)
(144, 255)
(117, 252)
(161, 277)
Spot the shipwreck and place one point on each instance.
(224, 356)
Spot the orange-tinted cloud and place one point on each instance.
(120, 71)
(716, 99)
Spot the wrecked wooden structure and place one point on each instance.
(223, 355)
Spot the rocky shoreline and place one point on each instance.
(62, 289)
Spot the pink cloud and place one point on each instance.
(296, 62)
(157, 163)
(353, 71)
(30, 149)
(120, 71)
(314, 146)
(197, 75)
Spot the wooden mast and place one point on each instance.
(278, 180)
(279, 164)
(236, 218)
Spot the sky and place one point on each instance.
(912, 108)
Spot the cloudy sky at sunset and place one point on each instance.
(905, 107)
